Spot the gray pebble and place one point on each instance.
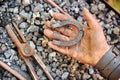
(23, 67)
(3, 47)
(38, 8)
(33, 28)
(108, 38)
(18, 2)
(13, 78)
(86, 76)
(94, 9)
(23, 25)
(26, 15)
(76, 10)
(91, 71)
(15, 10)
(101, 6)
(15, 58)
(39, 72)
(52, 55)
(40, 48)
(37, 22)
(109, 31)
(65, 75)
(112, 13)
(8, 53)
(32, 44)
(58, 72)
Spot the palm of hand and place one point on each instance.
(92, 46)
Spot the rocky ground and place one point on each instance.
(30, 16)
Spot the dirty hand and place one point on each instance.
(92, 46)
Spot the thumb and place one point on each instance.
(92, 22)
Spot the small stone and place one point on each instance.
(26, 2)
(80, 19)
(116, 30)
(94, 9)
(23, 67)
(33, 28)
(109, 31)
(27, 8)
(32, 44)
(91, 71)
(52, 55)
(37, 22)
(39, 72)
(108, 38)
(112, 13)
(101, 6)
(35, 15)
(86, 76)
(14, 58)
(29, 36)
(18, 2)
(8, 53)
(3, 47)
(15, 10)
(13, 78)
(65, 75)
(44, 42)
(58, 72)
(26, 15)
(53, 74)
(76, 10)
(107, 26)
(40, 48)
(23, 25)
(38, 8)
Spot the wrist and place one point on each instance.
(99, 54)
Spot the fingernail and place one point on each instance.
(85, 10)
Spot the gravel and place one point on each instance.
(65, 75)
(30, 16)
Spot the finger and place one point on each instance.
(58, 48)
(61, 17)
(55, 35)
(64, 30)
(92, 22)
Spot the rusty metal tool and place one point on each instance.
(25, 51)
(16, 74)
(65, 23)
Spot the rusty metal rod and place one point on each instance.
(16, 74)
(53, 4)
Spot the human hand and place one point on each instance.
(89, 49)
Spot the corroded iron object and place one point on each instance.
(65, 23)
(25, 51)
(16, 74)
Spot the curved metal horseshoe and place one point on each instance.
(73, 42)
